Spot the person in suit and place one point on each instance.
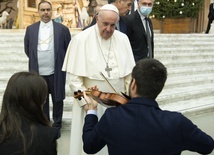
(211, 17)
(94, 21)
(140, 126)
(134, 6)
(142, 45)
(59, 17)
(24, 129)
(45, 45)
(124, 6)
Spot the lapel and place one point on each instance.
(56, 38)
(139, 23)
(35, 35)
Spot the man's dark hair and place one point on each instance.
(150, 76)
(42, 3)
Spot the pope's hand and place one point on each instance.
(91, 104)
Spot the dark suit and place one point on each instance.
(44, 142)
(56, 87)
(211, 17)
(140, 127)
(122, 25)
(137, 36)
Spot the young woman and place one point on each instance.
(24, 129)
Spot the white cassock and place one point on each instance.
(86, 57)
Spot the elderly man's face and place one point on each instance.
(106, 22)
(124, 6)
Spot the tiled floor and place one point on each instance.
(206, 123)
(64, 142)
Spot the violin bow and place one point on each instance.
(108, 82)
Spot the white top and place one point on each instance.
(45, 48)
(84, 57)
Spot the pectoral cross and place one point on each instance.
(108, 69)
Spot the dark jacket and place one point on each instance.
(62, 38)
(44, 142)
(211, 11)
(140, 127)
(137, 36)
(122, 25)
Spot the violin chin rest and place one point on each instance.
(126, 96)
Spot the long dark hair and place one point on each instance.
(22, 103)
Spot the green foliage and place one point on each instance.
(176, 8)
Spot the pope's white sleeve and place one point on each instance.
(127, 80)
(76, 83)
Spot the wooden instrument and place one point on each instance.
(106, 99)
(109, 99)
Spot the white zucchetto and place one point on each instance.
(109, 7)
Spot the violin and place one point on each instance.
(107, 99)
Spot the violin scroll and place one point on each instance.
(78, 94)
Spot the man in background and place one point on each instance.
(210, 17)
(96, 11)
(124, 7)
(45, 45)
(140, 30)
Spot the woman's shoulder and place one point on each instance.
(41, 140)
(47, 131)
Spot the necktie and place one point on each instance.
(149, 42)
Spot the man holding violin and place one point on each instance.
(140, 127)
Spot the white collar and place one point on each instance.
(48, 24)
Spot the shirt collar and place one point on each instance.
(48, 24)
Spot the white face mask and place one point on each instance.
(145, 10)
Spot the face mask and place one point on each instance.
(145, 10)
